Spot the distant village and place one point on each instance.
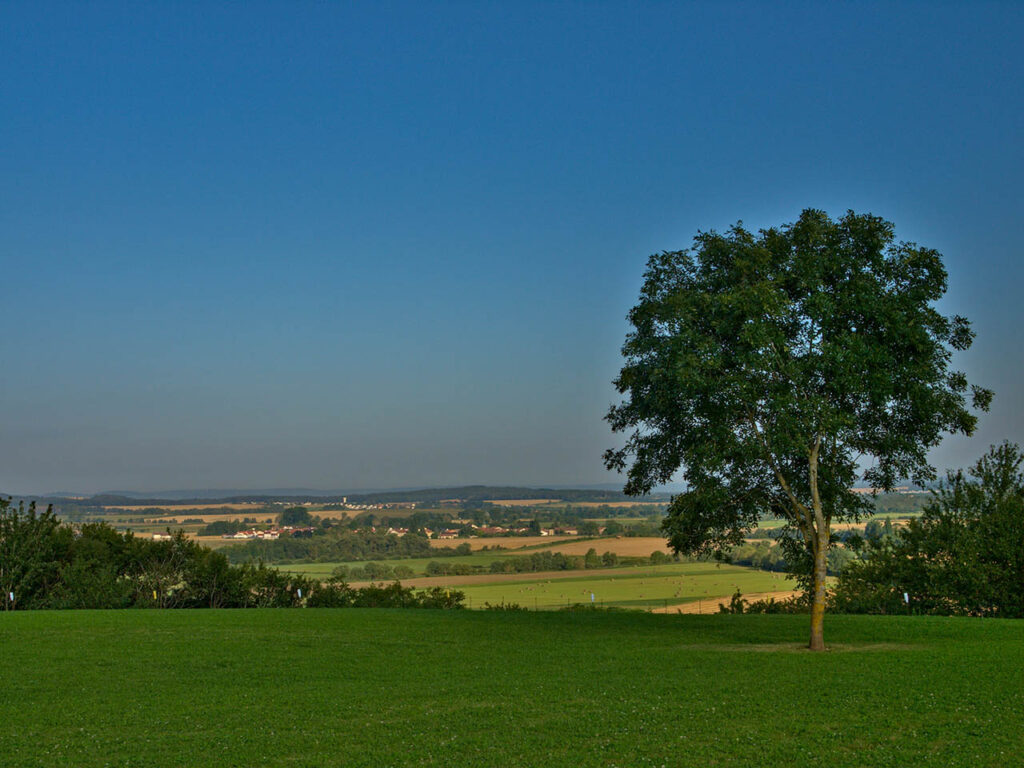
(446, 533)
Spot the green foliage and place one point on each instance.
(900, 504)
(545, 560)
(503, 606)
(440, 597)
(964, 555)
(765, 367)
(337, 594)
(47, 564)
(750, 350)
(296, 517)
(222, 528)
(334, 545)
(760, 555)
(440, 568)
(33, 548)
(876, 530)
(737, 604)
(659, 558)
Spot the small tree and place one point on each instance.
(296, 517)
(32, 546)
(964, 555)
(768, 366)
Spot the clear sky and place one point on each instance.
(352, 245)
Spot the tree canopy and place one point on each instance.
(295, 516)
(768, 367)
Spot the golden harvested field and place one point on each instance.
(522, 502)
(640, 546)
(618, 504)
(508, 542)
(248, 505)
(542, 502)
(208, 518)
(237, 514)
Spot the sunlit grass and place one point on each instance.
(375, 688)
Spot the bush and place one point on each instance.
(796, 604)
(963, 556)
(222, 528)
(503, 606)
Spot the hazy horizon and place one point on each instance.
(346, 246)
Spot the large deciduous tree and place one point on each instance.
(769, 367)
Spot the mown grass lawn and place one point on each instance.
(469, 688)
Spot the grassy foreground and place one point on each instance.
(467, 688)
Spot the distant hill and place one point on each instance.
(464, 493)
(488, 492)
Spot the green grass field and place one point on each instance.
(641, 587)
(470, 688)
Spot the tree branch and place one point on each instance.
(803, 514)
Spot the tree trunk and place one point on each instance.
(818, 594)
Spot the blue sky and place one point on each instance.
(368, 245)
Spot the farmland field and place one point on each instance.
(522, 502)
(578, 504)
(506, 542)
(636, 587)
(170, 508)
(641, 588)
(369, 687)
(626, 546)
(638, 546)
(895, 518)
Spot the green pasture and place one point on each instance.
(642, 587)
(419, 564)
(376, 687)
